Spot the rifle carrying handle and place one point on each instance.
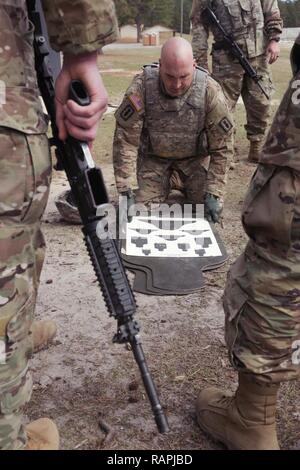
(78, 93)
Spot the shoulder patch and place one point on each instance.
(127, 113)
(136, 102)
(225, 124)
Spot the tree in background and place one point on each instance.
(290, 12)
(145, 13)
(134, 11)
(187, 6)
(161, 13)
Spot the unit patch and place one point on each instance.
(127, 112)
(225, 124)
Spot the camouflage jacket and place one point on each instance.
(131, 139)
(282, 147)
(277, 211)
(253, 23)
(266, 276)
(74, 27)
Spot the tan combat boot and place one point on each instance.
(255, 151)
(42, 332)
(245, 421)
(42, 434)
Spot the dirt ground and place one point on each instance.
(84, 380)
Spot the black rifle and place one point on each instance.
(230, 44)
(90, 195)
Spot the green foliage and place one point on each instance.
(290, 13)
(168, 13)
(134, 11)
(152, 12)
(131, 11)
(187, 6)
(161, 13)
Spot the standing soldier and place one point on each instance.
(77, 29)
(256, 26)
(262, 296)
(172, 116)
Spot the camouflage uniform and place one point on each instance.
(156, 134)
(253, 24)
(262, 296)
(25, 170)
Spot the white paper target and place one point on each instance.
(170, 237)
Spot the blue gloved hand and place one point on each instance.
(212, 208)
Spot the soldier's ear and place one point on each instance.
(194, 63)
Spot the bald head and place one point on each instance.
(177, 66)
(176, 50)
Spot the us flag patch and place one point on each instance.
(136, 101)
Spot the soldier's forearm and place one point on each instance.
(273, 21)
(125, 172)
(123, 185)
(216, 178)
(125, 156)
(201, 58)
(218, 167)
(200, 44)
(273, 29)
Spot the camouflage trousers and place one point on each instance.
(262, 295)
(154, 178)
(25, 170)
(235, 83)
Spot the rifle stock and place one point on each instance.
(89, 192)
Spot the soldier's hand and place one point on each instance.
(79, 121)
(273, 51)
(212, 208)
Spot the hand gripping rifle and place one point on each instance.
(230, 44)
(90, 195)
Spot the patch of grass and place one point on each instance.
(281, 71)
(102, 147)
(129, 59)
(116, 86)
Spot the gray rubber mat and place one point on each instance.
(143, 282)
(168, 275)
